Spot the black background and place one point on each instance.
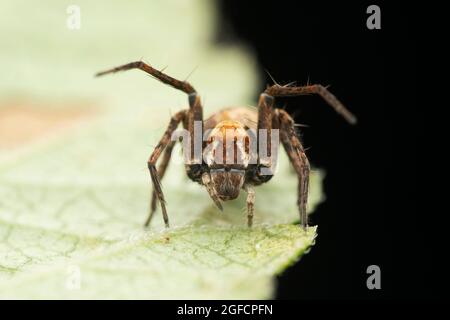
(369, 216)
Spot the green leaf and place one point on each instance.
(56, 222)
(72, 204)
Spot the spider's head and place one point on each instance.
(227, 183)
(227, 157)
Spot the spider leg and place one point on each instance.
(195, 107)
(195, 128)
(161, 171)
(192, 121)
(163, 143)
(265, 114)
(286, 91)
(177, 84)
(250, 203)
(297, 156)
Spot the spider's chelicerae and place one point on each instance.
(225, 165)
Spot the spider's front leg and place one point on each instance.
(161, 171)
(262, 171)
(163, 143)
(297, 156)
(289, 91)
(189, 119)
(270, 118)
(291, 142)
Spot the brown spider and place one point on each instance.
(224, 165)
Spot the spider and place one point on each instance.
(223, 180)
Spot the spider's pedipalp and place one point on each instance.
(207, 182)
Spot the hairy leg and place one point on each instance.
(161, 171)
(265, 115)
(286, 91)
(297, 156)
(250, 204)
(189, 118)
(195, 108)
(161, 76)
(165, 141)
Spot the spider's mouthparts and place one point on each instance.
(218, 204)
(216, 199)
(206, 179)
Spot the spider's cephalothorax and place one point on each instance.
(227, 156)
(229, 162)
